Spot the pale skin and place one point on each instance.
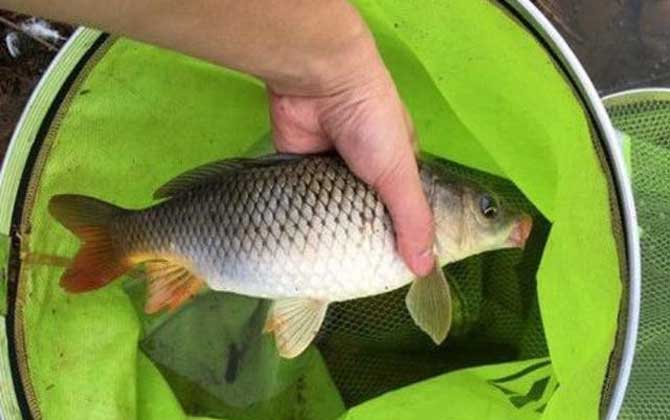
(327, 85)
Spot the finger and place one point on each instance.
(295, 126)
(374, 137)
(409, 123)
(400, 189)
(411, 132)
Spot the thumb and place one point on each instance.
(374, 135)
(399, 187)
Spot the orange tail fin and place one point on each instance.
(99, 261)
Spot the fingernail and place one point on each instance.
(422, 263)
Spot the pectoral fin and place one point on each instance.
(295, 322)
(429, 304)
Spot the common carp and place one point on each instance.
(302, 231)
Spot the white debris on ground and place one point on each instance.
(13, 43)
(31, 31)
(40, 28)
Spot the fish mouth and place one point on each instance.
(520, 232)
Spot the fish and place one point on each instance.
(300, 230)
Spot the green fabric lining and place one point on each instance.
(523, 397)
(72, 332)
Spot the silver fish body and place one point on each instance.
(296, 228)
(302, 231)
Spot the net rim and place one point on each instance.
(12, 406)
(634, 96)
(535, 18)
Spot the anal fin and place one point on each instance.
(429, 304)
(295, 322)
(169, 285)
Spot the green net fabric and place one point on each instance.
(645, 120)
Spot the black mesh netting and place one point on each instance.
(645, 118)
(217, 361)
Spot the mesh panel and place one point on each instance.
(645, 117)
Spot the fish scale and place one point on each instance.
(335, 236)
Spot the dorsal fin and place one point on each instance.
(215, 171)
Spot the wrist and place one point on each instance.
(343, 57)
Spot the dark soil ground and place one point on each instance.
(18, 76)
(623, 44)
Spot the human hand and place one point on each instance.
(328, 85)
(357, 111)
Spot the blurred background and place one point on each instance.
(623, 44)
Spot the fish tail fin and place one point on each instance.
(99, 261)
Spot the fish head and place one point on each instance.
(470, 220)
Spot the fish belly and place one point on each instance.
(328, 273)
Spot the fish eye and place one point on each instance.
(488, 206)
